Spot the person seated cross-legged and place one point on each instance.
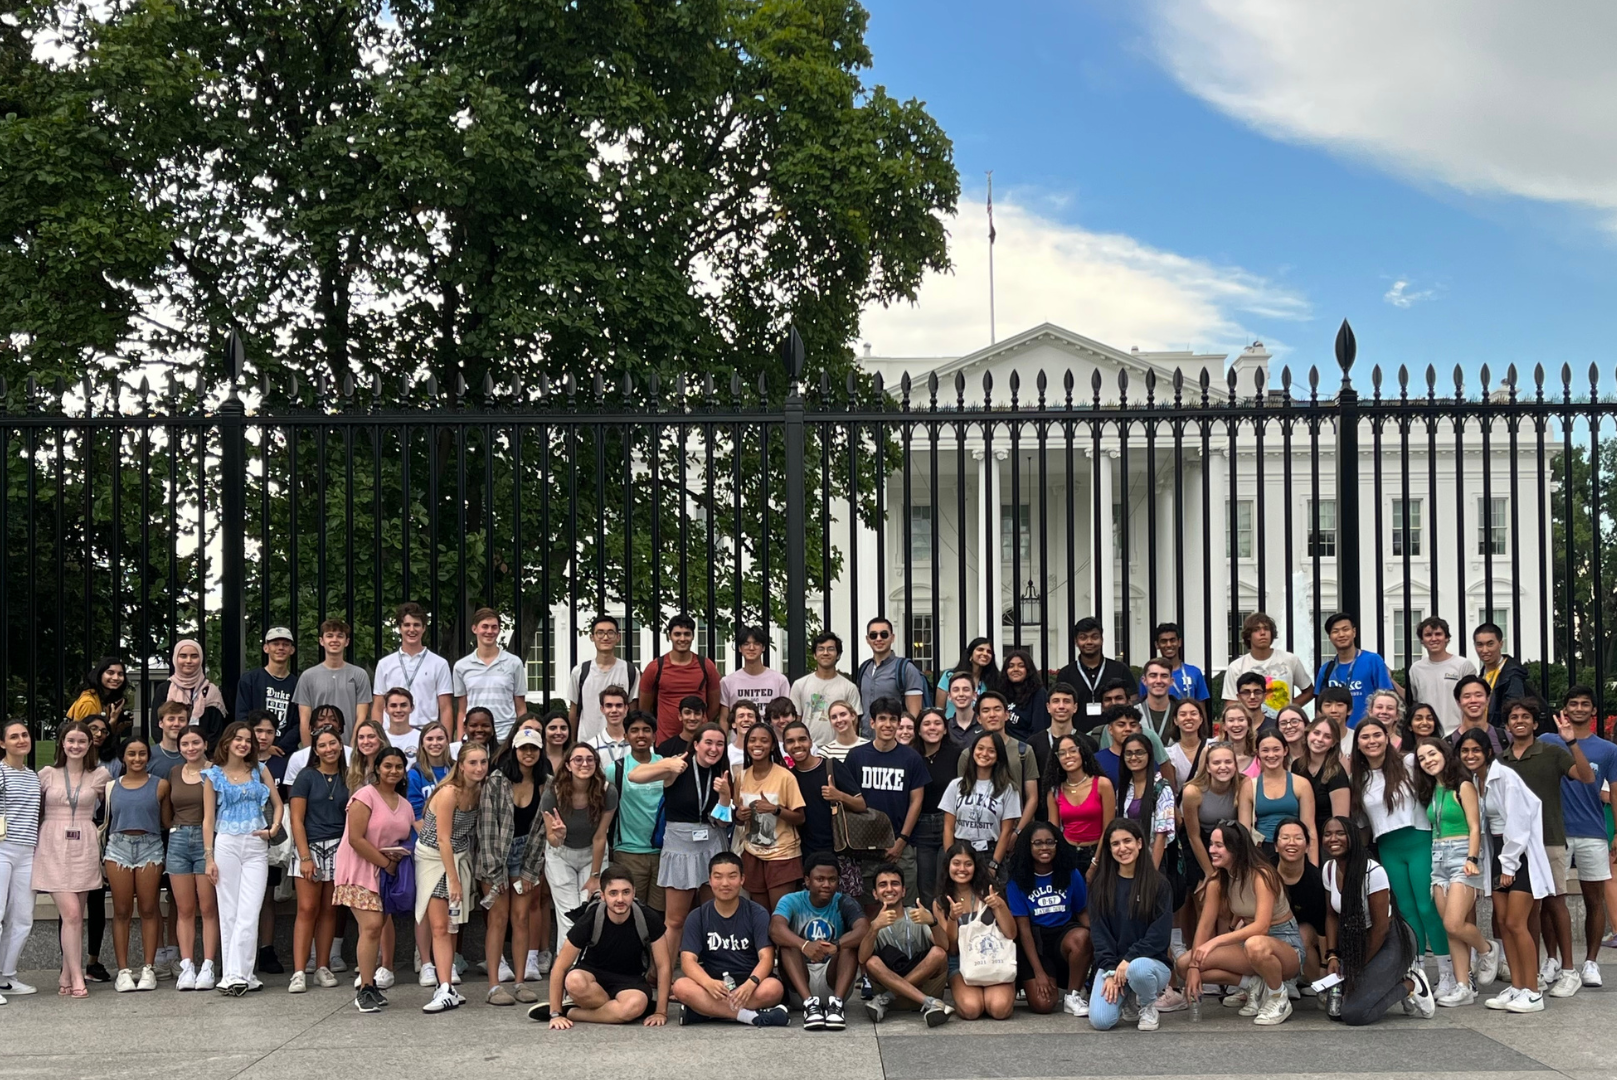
(725, 957)
(818, 931)
(900, 956)
(612, 942)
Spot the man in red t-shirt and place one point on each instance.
(678, 673)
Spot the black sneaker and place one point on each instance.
(541, 1013)
(775, 1017)
(813, 1015)
(97, 973)
(836, 1018)
(866, 991)
(688, 1016)
(268, 962)
(366, 1001)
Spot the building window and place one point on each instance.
(541, 658)
(721, 648)
(923, 642)
(629, 642)
(1492, 517)
(1499, 616)
(1241, 518)
(1236, 620)
(1015, 528)
(1406, 533)
(921, 534)
(1406, 647)
(1322, 532)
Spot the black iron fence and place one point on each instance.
(963, 506)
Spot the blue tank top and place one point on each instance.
(1267, 812)
(134, 809)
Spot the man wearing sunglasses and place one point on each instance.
(886, 674)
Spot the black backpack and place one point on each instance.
(583, 672)
(636, 910)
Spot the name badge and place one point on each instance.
(74, 834)
(699, 834)
(1093, 708)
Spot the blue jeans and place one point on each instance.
(1148, 978)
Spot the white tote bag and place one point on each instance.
(987, 957)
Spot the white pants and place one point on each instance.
(566, 869)
(243, 863)
(16, 902)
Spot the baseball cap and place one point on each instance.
(527, 737)
(279, 633)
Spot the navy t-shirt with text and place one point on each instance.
(888, 778)
(1049, 904)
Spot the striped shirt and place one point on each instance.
(494, 686)
(19, 802)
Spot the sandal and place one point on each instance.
(79, 992)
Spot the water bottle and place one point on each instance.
(729, 982)
(1196, 1009)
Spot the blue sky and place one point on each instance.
(1223, 169)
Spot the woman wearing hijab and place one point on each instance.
(189, 686)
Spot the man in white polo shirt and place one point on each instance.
(416, 668)
(490, 677)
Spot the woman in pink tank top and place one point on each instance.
(1081, 799)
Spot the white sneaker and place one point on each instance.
(546, 959)
(1526, 1002)
(442, 1001)
(1148, 1018)
(506, 974)
(298, 984)
(336, 963)
(253, 982)
(125, 982)
(1460, 995)
(1445, 984)
(1502, 999)
(17, 988)
(1590, 976)
(454, 977)
(1502, 972)
(1487, 966)
(187, 978)
(324, 977)
(1292, 992)
(1548, 972)
(385, 978)
(530, 971)
(1276, 1007)
(1256, 997)
(1171, 1000)
(1073, 1004)
(416, 960)
(429, 975)
(1421, 997)
(206, 980)
(148, 978)
(1568, 983)
(1237, 998)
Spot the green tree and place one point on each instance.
(1583, 541)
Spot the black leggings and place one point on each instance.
(1380, 985)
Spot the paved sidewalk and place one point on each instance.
(272, 1035)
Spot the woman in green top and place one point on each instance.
(1451, 803)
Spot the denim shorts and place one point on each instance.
(1448, 864)
(135, 850)
(1289, 933)
(513, 859)
(186, 853)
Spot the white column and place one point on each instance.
(985, 549)
(1106, 551)
(1167, 564)
(994, 596)
(1192, 619)
(1218, 562)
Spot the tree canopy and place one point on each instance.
(506, 187)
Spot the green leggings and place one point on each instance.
(1406, 855)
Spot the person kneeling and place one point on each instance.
(725, 957)
(819, 930)
(900, 956)
(1047, 896)
(1131, 926)
(605, 954)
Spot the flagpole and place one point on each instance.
(992, 337)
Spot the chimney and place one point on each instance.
(867, 348)
(1253, 361)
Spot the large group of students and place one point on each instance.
(1111, 845)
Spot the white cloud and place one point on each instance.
(1103, 285)
(1490, 96)
(1400, 295)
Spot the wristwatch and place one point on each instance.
(754, 980)
(904, 836)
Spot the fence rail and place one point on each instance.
(957, 507)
